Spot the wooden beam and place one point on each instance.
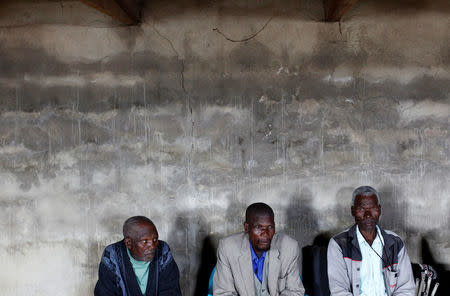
(125, 11)
(335, 9)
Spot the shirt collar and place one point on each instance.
(135, 262)
(254, 256)
(361, 238)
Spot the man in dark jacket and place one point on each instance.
(138, 265)
(366, 260)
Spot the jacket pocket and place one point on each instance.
(391, 281)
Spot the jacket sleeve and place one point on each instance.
(337, 271)
(107, 284)
(405, 282)
(223, 282)
(294, 285)
(169, 276)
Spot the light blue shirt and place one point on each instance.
(371, 273)
(141, 271)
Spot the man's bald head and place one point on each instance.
(129, 227)
(258, 209)
(141, 238)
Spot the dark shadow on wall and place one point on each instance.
(234, 217)
(301, 218)
(178, 238)
(208, 262)
(442, 272)
(303, 9)
(186, 236)
(312, 10)
(314, 263)
(314, 255)
(408, 6)
(393, 210)
(302, 225)
(342, 209)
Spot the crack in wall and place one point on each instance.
(176, 53)
(246, 38)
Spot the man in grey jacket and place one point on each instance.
(365, 259)
(258, 261)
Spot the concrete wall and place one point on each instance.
(171, 120)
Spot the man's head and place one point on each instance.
(260, 226)
(366, 208)
(141, 237)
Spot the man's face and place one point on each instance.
(260, 229)
(143, 246)
(366, 212)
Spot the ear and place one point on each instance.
(352, 209)
(128, 243)
(246, 227)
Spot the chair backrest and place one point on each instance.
(210, 283)
(320, 273)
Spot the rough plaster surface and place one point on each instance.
(168, 119)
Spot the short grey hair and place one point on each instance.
(128, 226)
(365, 191)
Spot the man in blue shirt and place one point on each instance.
(138, 265)
(258, 261)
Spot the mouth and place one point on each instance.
(264, 243)
(149, 253)
(369, 222)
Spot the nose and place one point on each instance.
(368, 213)
(265, 231)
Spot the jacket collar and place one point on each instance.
(361, 238)
(355, 251)
(352, 236)
(246, 267)
(130, 277)
(387, 240)
(274, 265)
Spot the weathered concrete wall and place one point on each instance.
(171, 120)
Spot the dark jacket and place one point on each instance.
(116, 275)
(344, 263)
